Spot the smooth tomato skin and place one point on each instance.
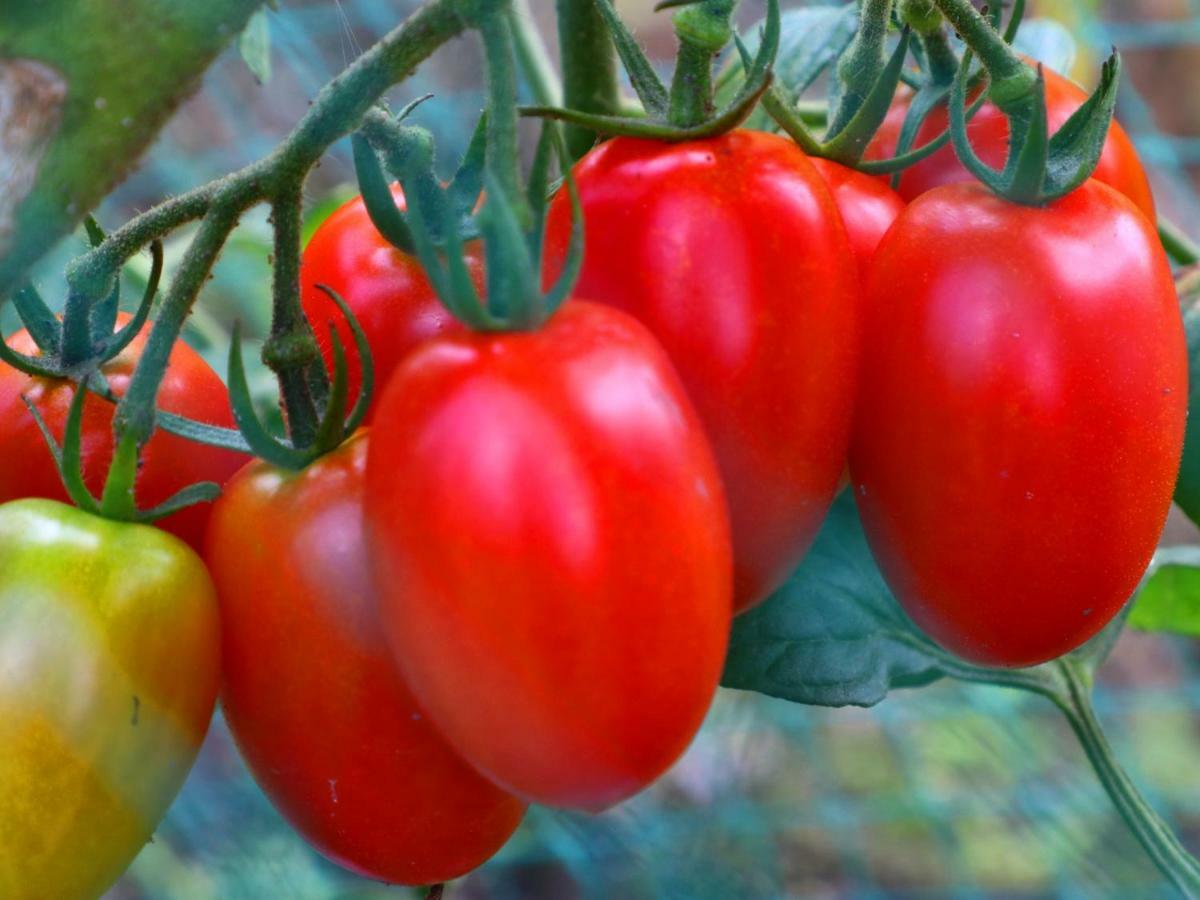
(733, 254)
(311, 693)
(1020, 417)
(1119, 165)
(168, 463)
(551, 544)
(385, 288)
(110, 654)
(867, 205)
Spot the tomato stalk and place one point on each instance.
(1040, 167)
(1181, 248)
(1067, 682)
(687, 111)
(703, 30)
(534, 58)
(335, 112)
(589, 67)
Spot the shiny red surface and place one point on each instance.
(867, 205)
(169, 463)
(311, 692)
(732, 252)
(385, 288)
(1020, 416)
(551, 545)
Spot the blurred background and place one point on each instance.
(950, 791)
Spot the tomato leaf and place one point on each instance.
(255, 46)
(833, 635)
(810, 40)
(1170, 599)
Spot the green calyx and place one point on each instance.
(333, 426)
(685, 111)
(475, 205)
(118, 500)
(865, 80)
(1041, 167)
(86, 336)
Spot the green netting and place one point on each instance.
(949, 791)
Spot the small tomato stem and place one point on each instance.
(589, 67)
(291, 347)
(703, 31)
(336, 110)
(860, 65)
(1155, 836)
(533, 56)
(1181, 248)
(998, 58)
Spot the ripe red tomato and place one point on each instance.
(386, 289)
(312, 696)
(868, 207)
(551, 545)
(1119, 164)
(1020, 417)
(732, 252)
(168, 463)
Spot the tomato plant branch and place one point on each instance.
(1181, 248)
(1067, 683)
(589, 67)
(1074, 699)
(533, 56)
(335, 111)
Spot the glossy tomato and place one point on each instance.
(1119, 165)
(732, 252)
(386, 289)
(110, 657)
(867, 205)
(552, 549)
(312, 696)
(1021, 414)
(168, 463)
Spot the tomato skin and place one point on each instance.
(1119, 165)
(168, 463)
(549, 535)
(110, 656)
(385, 288)
(733, 254)
(867, 205)
(1024, 389)
(312, 695)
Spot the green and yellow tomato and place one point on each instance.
(109, 667)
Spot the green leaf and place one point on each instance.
(833, 635)
(1187, 487)
(1170, 599)
(255, 46)
(810, 40)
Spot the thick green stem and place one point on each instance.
(503, 150)
(703, 31)
(135, 413)
(533, 56)
(1181, 248)
(336, 110)
(589, 67)
(1151, 831)
(939, 56)
(291, 348)
(860, 65)
(1011, 78)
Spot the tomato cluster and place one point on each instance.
(516, 586)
